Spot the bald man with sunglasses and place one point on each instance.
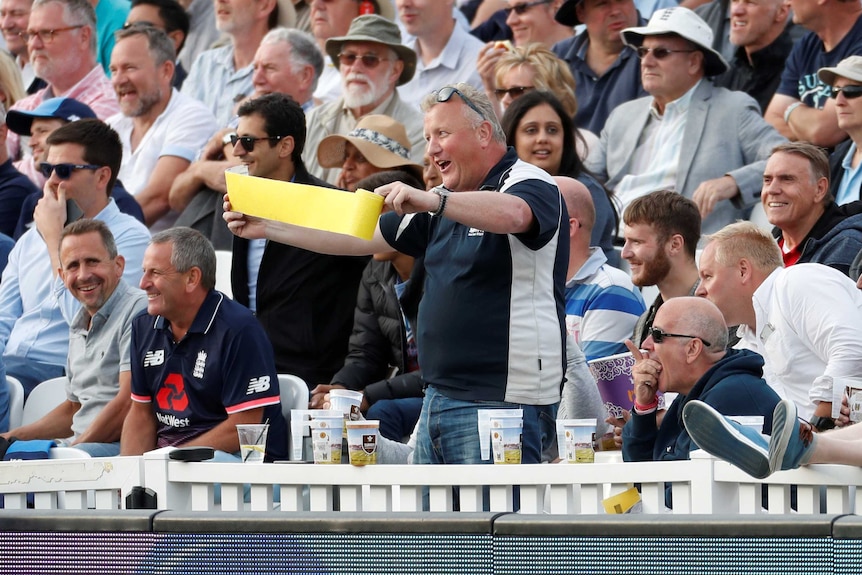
(685, 354)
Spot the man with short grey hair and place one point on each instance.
(288, 61)
(62, 47)
(161, 129)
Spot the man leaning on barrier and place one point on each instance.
(493, 236)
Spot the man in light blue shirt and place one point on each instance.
(35, 306)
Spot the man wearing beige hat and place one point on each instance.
(372, 62)
(378, 143)
(222, 76)
(707, 143)
(845, 82)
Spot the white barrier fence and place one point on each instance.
(701, 485)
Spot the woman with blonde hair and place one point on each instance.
(11, 84)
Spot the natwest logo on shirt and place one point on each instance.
(172, 395)
(258, 384)
(153, 358)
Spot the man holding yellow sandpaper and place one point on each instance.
(491, 322)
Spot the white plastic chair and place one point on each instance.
(16, 401)
(67, 453)
(224, 262)
(758, 216)
(294, 393)
(44, 397)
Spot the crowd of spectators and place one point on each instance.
(545, 165)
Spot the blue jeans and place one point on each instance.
(448, 429)
(397, 417)
(31, 373)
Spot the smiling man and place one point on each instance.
(372, 62)
(98, 371)
(161, 129)
(661, 232)
(304, 300)
(809, 225)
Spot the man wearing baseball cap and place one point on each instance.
(372, 62)
(707, 143)
(845, 82)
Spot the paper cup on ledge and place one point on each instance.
(506, 438)
(347, 402)
(326, 435)
(362, 439)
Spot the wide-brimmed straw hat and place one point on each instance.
(685, 24)
(374, 28)
(850, 68)
(380, 139)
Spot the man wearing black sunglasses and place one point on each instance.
(707, 143)
(685, 354)
(492, 314)
(304, 300)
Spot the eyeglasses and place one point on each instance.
(522, 8)
(47, 36)
(64, 171)
(659, 334)
(369, 60)
(248, 142)
(659, 53)
(514, 91)
(850, 92)
(445, 94)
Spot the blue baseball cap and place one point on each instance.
(68, 109)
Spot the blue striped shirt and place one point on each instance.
(602, 307)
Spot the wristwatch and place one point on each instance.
(443, 193)
(821, 423)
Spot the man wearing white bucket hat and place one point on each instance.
(707, 143)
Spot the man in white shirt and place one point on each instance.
(805, 320)
(14, 18)
(161, 129)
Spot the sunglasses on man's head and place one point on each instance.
(659, 53)
(445, 94)
(521, 9)
(369, 60)
(850, 92)
(658, 335)
(514, 91)
(64, 171)
(248, 142)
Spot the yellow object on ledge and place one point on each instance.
(326, 209)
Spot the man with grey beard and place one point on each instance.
(372, 62)
(160, 128)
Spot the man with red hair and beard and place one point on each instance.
(372, 62)
(661, 233)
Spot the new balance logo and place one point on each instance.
(154, 358)
(258, 385)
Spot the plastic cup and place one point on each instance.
(362, 439)
(347, 402)
(506, 436)
(326, 437)
(580, 435)
(252, 441)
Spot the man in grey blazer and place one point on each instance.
(707, 143)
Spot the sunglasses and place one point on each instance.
(248, 142)
(520, 9)
(850, 92)
(659, 334)
(514, 91)
(445, 94)
(659, 53)
(370, 61)
(64, 171)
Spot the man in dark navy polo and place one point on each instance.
(201, 363)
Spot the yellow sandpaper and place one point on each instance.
(326, 209)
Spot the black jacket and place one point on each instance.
(305, 302)
(379, 341)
